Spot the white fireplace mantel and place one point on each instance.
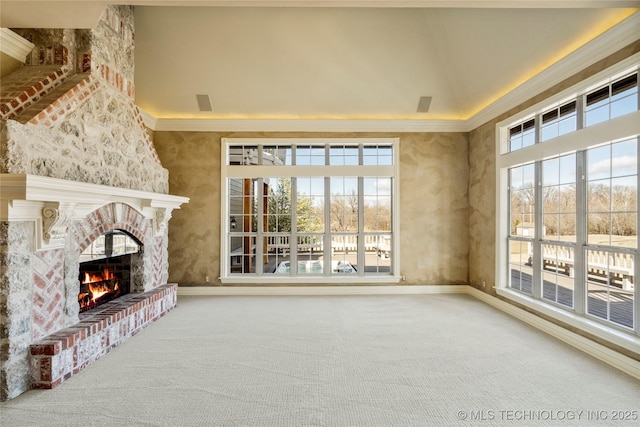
(53, 202)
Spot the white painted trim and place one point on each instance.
(34, 188)
(14, 45)
(53, 202)
(304, 125)
(149, 121)
(319, 290)
(600, 352)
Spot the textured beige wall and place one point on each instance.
(482, 176)
(433, 204)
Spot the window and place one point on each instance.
(613, 100)
(568, 218)
(559, 121)
(316, 210)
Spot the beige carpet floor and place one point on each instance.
(427, 360)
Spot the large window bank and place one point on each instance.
(567, 185)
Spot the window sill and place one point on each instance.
(626, 340)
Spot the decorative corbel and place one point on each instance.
(55, 220)
(160, 220)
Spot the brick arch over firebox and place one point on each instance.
(55, 272)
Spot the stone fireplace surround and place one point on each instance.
(47, 223)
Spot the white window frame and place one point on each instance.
(617, 129)
(239, 171)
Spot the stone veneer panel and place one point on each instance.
(15, 306)
(86, 147)
(93, 133)
(433, 203)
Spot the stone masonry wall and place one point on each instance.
(15, 306)
(77, 127)
(94, 132)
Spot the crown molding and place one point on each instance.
(607, 43)
(623, 34)
(303, 125)
(149, 121)
(14, 45)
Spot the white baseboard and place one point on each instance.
(322, 290)
(605, 354)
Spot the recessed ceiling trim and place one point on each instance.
(266, 125)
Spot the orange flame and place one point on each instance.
(97, 285)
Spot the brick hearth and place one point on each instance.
(57, 357)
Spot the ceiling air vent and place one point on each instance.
(424, 104)
(204, 102)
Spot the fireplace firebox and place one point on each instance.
(107, 269)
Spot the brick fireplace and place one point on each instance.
(76, 162)
(47, 224)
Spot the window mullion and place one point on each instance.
(537, 263)
(259, 198)
(293, 237)
(580, 280)
(360, 237)
(580, 112)
(326, 237)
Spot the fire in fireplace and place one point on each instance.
(108, 269)
(96, 289)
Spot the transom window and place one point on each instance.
(568, 216)
(299, 210)
(614, 98)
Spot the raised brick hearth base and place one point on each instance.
(57, 357)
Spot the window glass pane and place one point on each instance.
(624, 156)
(378, 253)
(558, 274)
(344, 254)
(310, 155)
(344, 204)
(377, 155)
(559, 196)
(276, 251)
(242, 254)
(277, 203)
(599, 162)
(310, 254)
(522, 200)
(522, 135)
(344, 155)
(558, 121)
(520, 271)
(610, 290)
(310, 205)
(611, 101)
(377, 204)
(277, 155)
(624, 96)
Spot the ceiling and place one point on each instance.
(337, 60)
